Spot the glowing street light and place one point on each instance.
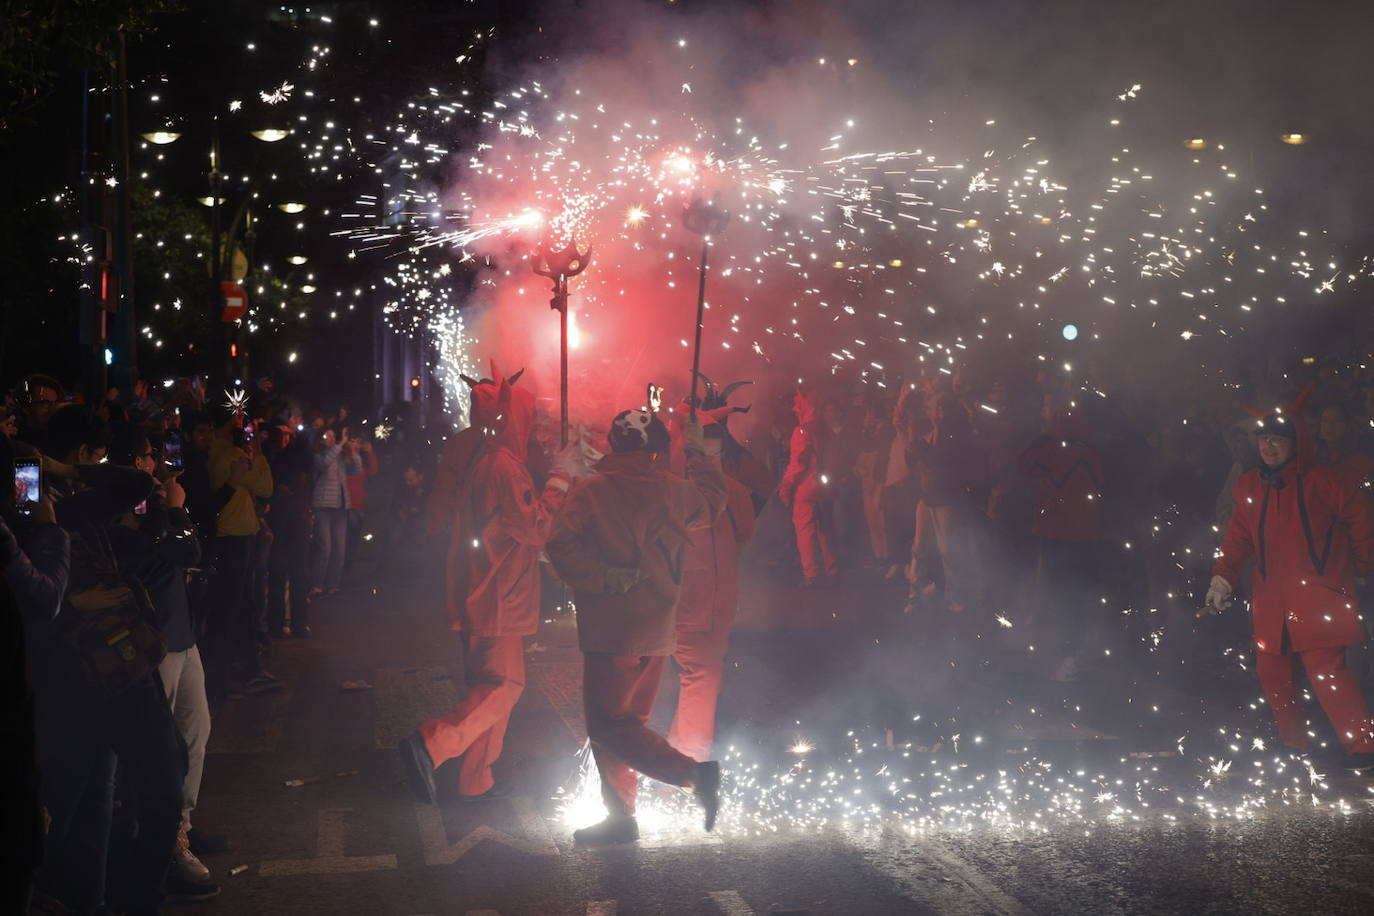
(162, 137)
(1195, 143)
(291, 206)
(1294, 139)
(271, 134)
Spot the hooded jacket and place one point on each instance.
(457, 455)
(634, 514)
(807, 452)
(499, 525)
(1309, 535)
(710, 585)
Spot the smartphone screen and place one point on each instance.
(28, 484)
(171, 451)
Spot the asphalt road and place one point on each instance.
(876, 763)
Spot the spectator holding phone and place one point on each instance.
(335, 461)
(158, 545)
(231, 630)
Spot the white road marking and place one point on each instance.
(402, 698)
(731, 903)
(601, 908)
(330, 858)
(438, 850)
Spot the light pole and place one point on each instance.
(706, 220)
(559, 265)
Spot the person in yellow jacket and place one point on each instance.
(236, 468)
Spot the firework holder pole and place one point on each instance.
(706, 220)
(559, 265)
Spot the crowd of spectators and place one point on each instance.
(156, 545)
(171, 538)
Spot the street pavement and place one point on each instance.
(876, 762)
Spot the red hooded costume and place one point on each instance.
(498, 529)
(634, 516)
(1309, 535)
(804, 489)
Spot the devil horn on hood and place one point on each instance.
(516, 377)
(1293, 409)
(495, 372)
(472, 382)
(730, 388)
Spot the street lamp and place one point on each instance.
(706, 220)
(271, 134)
(162, 137)
(559, 265)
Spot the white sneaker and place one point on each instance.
(189, 867)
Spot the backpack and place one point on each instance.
(107, 620)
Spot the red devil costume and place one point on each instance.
(459, 450)
(620, 542)
(1309, 536)
(710, 595)
(499, 528)
(804, 489)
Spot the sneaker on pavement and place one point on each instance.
(612, 831)
(418, 767)
(185, 863)
(706, 787)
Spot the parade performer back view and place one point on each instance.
(1309, 534)
(620, 542)
(493, 589)
(710, 596)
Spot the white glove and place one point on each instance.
(1218, 596)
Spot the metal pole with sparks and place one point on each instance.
(706, 220)
(558, 266)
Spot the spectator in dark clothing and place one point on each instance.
(83, 730)
(952, 479)
(203, 502)
(289, 515)
(38, 397)
(29, 597)
(157, 546)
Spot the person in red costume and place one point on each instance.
(1334, 450)
(1309, 535)
(803, 489)
(458, 453)
(620, 542)
(1067, 530)
(706, 610)
(499, 529)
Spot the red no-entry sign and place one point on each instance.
(235, 301)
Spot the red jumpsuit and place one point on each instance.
(804, 487)
(1309, 535)
(634, 514)
(705, 612)
(492, 586)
